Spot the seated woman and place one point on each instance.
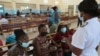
(10, 40)
(20, 49)
(41, 42)
(58, 38)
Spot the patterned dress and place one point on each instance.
(17, 51)
(43, 46)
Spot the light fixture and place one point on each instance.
(56, 2)
(26, 0)
(27, 7)
(64, 1)
(1, 6)
(46, 1)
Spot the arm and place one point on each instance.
(10, 53)
(78, 41)
(13, 52)
(37, 48)
(2, 52)
(75, 50)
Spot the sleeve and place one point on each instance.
(79, 38)
(14, 51)
(10, 53)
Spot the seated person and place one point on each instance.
(4, 20)
(53, 28)
(20, 49)
(10, 40)
(58, 38)
(1, 50)
(41, 43)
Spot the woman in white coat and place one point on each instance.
(87, 37)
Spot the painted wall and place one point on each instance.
(66, 3)
(62, 4)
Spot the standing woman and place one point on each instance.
(87, 37)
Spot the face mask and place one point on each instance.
(63, 30)
(44, 33)
(82, 19)
(25, 45)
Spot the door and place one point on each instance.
(70, 10)
(1, 9)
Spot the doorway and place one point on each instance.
(71, 10)
(1, 9)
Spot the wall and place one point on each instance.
(62, 4)
(16, 4)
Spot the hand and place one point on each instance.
(67, 40)
(63, 40)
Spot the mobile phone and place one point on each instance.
(31, 48)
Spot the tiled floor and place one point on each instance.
(34, 34)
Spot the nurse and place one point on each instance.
(87, 37)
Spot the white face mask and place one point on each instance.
(25, 45)
(63, 30)
(83, 20)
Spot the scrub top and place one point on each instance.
(87, 37)
(52, 18)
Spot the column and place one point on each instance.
(14, 9)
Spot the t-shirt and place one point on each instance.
(4, 21)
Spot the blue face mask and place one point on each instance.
(63, 30)
(25, 45)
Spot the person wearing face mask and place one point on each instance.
(20, 48)
(41, 43)
(87, 37)
(62, 31)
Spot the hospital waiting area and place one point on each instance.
(49, 27)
